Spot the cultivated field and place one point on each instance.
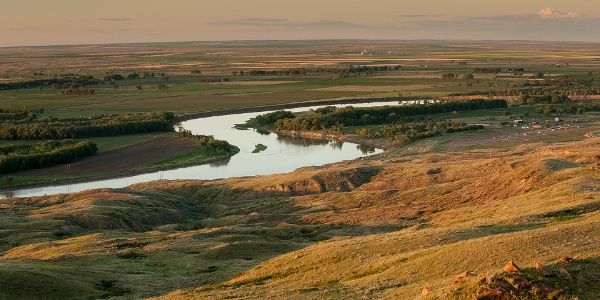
(421, 66)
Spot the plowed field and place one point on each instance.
(121, 159)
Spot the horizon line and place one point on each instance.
(300, 40)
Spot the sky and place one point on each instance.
(67, 22)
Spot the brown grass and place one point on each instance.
(383, 227)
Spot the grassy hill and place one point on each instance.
(388, 226)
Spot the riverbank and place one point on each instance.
(355, 100)
(119, 164)
(123, 162)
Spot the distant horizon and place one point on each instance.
(302, 40)
(69, 22)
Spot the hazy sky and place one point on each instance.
(57, 22)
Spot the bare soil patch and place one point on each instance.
(122, 159)
(527, 136)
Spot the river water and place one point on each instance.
(282, 155)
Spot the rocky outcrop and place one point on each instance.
(562, 272)
(462, 276)
(565, 259)
(512, 283)
(511, 267)
(327, 181)
(542, 271)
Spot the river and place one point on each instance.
(282, 155)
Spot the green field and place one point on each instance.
(422, 65)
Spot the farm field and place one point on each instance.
(421, 65)
(398, 225)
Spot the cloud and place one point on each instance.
(284, 23)
(551, 13)
(415, 16)
(261, 20)
(502, 27)
(115, 20)
(330, 24)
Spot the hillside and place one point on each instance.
(384, 227)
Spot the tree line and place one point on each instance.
(549, 109)
(103, 125)
(336, 118)
(487, 70)
(209, 143)
(271, 118)
(401, 133)
(66, 81)
(317, 71)
(79, 92)
(134, 75)
(452, 76)
(18, 114)
(74, 84)
(15, 158)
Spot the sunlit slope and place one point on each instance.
(383, 227)
(536, 203)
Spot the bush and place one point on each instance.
(434, 171)
(131, 255)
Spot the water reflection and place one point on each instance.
(365, 149)
(220, 163)
(300, 141)
(262, 132)
(335, 144)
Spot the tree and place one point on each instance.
(113, 77)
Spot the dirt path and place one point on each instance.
(120, 160)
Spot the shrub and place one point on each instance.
(434, 171)
(131, 255)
